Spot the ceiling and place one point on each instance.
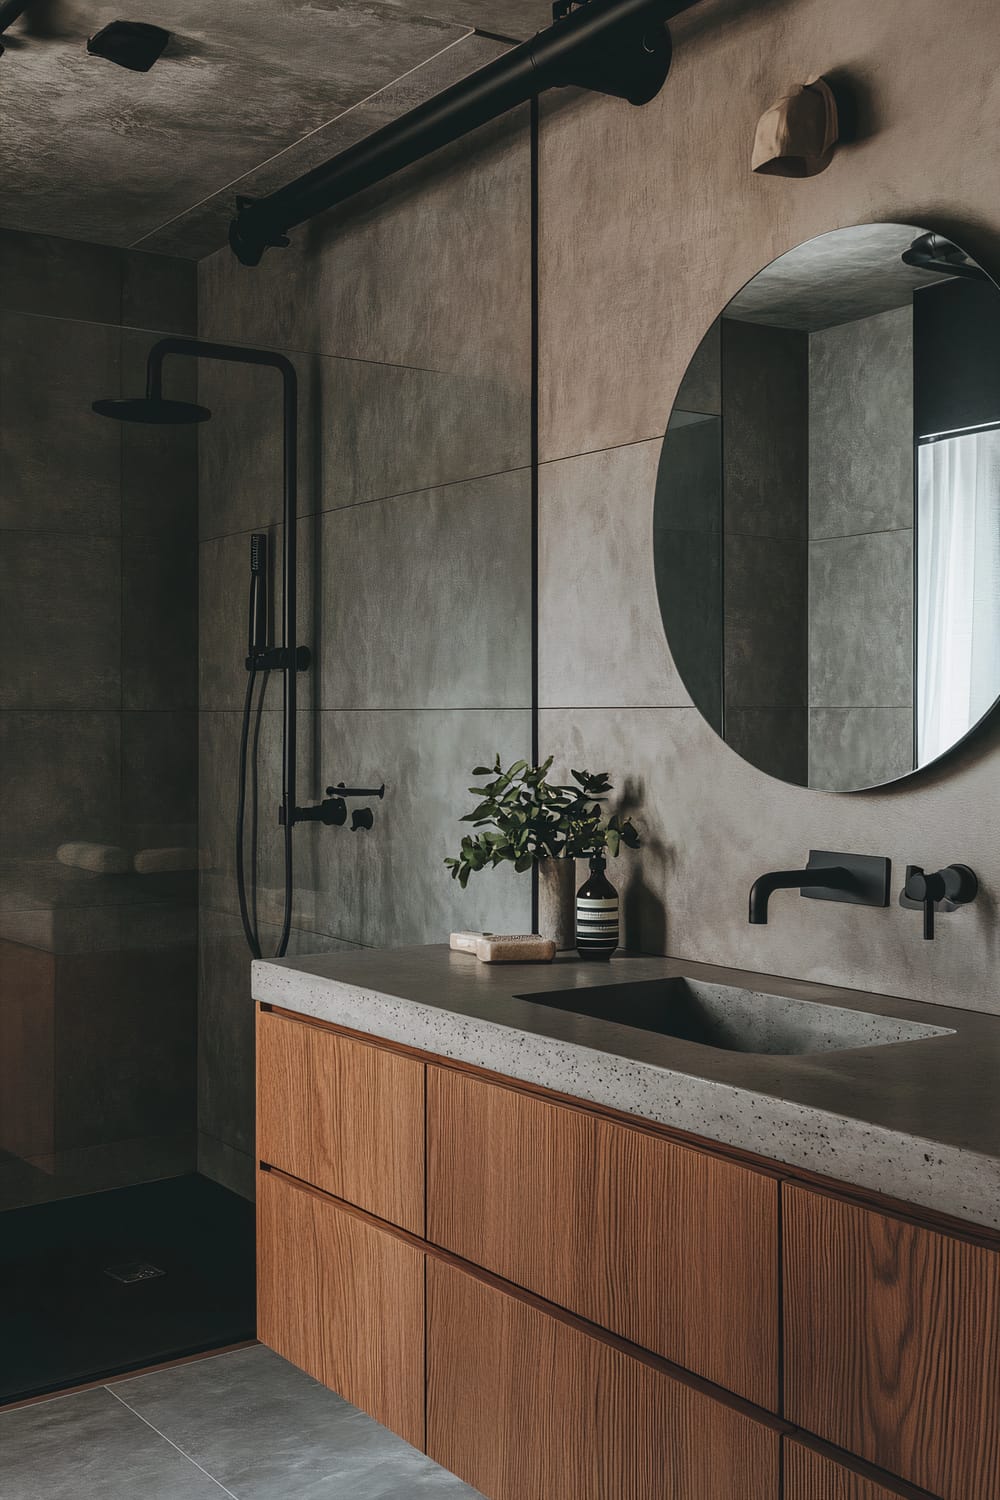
(247, 95)
(836, 278)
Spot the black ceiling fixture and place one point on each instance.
(131, 44)
(616, 47)
(9, 12)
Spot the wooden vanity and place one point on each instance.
(559, 1302)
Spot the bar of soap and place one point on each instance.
(516, 948)
(465, 942)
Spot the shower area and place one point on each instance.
(126, 1019)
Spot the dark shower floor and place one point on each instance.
(64, 1320)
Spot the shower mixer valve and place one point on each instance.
(333, 810)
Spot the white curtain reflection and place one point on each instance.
(958, 587)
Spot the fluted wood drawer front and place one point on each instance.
(672, 1249)
(813, 1476)
(343, 1301)
(523, 1407)
(347, 1117)
(892, 1344)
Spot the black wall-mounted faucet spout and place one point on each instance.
(831, 878)
(858, 879)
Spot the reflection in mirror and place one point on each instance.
(827, 517)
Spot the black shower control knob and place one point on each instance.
(362, 817)
(961, 884)
(922, 887)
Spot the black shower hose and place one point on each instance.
(246, 917)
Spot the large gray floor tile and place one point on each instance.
(268, 1432)
(91, 1445)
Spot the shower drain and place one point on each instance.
(134, 1270)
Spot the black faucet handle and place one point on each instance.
(927, 889)
(956, 884)
(340, 790)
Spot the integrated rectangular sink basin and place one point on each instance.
(735, 1020)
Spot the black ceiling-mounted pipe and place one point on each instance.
(617, 47)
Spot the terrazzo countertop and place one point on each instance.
(916, 1119)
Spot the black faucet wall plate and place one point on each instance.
(872, 874)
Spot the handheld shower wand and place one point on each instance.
(257, 625)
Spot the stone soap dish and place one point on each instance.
(505, 948)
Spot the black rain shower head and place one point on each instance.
(130, 44)
(155, 410)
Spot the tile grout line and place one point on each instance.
(176, 1446)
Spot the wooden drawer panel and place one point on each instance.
(672, 1249)
(343, 1301)
(813, 1476)
(524, 1407)
(892, 1347)
(344, 1116)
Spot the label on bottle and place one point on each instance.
(596, 924)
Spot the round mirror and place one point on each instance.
(827, 517)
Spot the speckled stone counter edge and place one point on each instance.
(964, 1184)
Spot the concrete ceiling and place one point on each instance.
(833, 279)
(248, 94)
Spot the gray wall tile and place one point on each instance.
(160, 778)
(160, 621)
(159, 291)
(60, 621)
(421, 601)
(851, 747)
(775, 740)
(59, 463)
(766, 644)
(159, 465)
(600, 636)
(399, 278)
(861, 426)
(765, 430)
(861, 621)
(59, 278)
(701, 387)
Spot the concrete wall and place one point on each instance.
(650, 221)
(861, 551)
(98, 684)
(408, 318)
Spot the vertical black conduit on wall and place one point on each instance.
(536, 753)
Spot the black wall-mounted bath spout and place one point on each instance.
(858, 879)
(831, 878)
(617, 47)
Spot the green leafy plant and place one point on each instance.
(526, 818)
